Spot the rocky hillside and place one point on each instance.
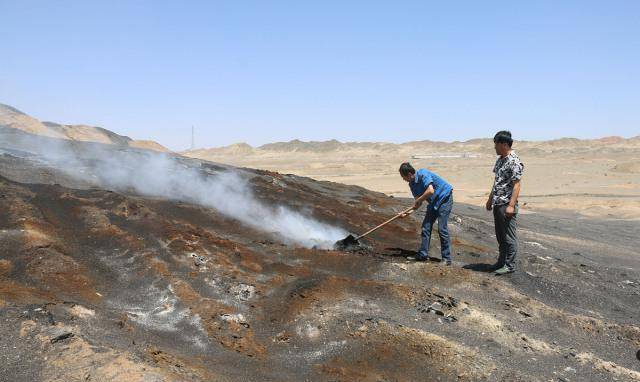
(103, 283)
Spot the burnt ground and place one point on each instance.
(99, 285)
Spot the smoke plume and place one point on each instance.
(165, 175)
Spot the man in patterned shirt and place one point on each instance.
(504, 201)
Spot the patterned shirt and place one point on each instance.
(507, 170)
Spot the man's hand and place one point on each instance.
(417, 204)
(510, 211)
(489, 204)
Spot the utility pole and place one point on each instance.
(193, 141)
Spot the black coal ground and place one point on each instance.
(132, 295)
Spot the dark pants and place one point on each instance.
(506, 235)
(442, 215)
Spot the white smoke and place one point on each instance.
(164, 175)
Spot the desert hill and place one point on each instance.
(13, 118)
(570, 145)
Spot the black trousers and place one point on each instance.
(506, 236)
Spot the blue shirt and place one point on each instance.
(423, 179)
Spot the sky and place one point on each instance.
(268, 71)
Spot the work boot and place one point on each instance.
(416, 258)
(446, 262)
(503, 271)
(494, 267)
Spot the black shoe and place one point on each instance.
(416, 258)
(495, 267)
(504, 271)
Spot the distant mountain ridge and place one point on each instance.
(11, 117)
(472, 145)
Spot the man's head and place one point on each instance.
(502, 142)
(407, 172)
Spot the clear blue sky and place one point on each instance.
(265, 71)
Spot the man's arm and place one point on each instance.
(511, 208)
(427, 193)
(489, 204)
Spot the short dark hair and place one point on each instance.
(503, 136)
(406, 168)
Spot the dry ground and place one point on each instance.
(107, 285)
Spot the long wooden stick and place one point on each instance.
(408, 210)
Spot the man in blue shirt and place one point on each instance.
(427, 186)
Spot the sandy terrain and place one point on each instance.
(596, 178)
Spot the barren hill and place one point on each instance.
(11, 117)
(570, 145)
